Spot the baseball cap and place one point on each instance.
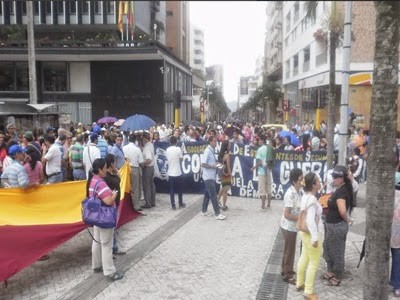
(50, 128)
(14, 149)
(96, 129)
(93, 136)
(28, 135)
(339, 171)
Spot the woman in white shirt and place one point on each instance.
(312, 244)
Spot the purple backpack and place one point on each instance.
(95, 213)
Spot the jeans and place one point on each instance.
(210, 192)
(79, 174)
(175, 185)
(55, 178)
(395, 274)
(308, 263)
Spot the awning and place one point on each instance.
(18, 108)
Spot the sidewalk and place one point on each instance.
(183, 255)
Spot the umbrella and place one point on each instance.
(106, 120)
(295, 141)
(137, 122)
(119, 122)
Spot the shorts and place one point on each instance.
(264, 185)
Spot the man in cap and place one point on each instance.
(50, 130)
(149, 189)
(90, 153)
(52, 160)
(15, 175)
(11, 134)
(101, 142)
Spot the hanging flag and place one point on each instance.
(34, 221)
(131, 18)
(122, 10)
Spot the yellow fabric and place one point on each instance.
(58, 203)
(122, 10)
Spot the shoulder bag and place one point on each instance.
(301, 224)
(94, 213)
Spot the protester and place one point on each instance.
(52, 160)
(292, 201)
(15, 175)
(102, 258)
(308, 263)
(337, 222)
(116, 150)
(174, 157)
(135, 158)
(90, 153)
(33, 166)
(209, 173)
(76, 159)
(225, 160)
(149, 189)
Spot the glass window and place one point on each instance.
(60, 7)
(85, 7)
(110, 7)
(36, 7)
(97, 8)
(307, 54)
(12, 7)
(6, 76)
(23, 8)
(72, 7)
(1, 7)
(22, 76)
(48, 7)
(54, 77)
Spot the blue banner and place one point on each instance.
(243, 158)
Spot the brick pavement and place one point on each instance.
(202, 259)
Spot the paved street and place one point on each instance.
(183, 255)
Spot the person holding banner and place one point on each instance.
(292, 202)
(264, 159)
(209, 173)
(224, 158)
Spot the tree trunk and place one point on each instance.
(332, 95)
(382, 155)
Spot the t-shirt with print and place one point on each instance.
(262, 155)
(292, 200)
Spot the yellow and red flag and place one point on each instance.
(35, 221)
(123, 9)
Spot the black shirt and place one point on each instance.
(333, 216)
(113, 182)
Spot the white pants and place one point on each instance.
(102, 255)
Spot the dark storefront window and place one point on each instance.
(60, 7)
(110, 7)
(6, 76)
(22, 73)
(72, 7)
(97, 8)
(48, 8)
(85, 7)
(54, 77)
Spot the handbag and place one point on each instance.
(94, 213)
(301, 224)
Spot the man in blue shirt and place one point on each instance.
(15, 174)
(101, 142)
(116, 150)
(209, 173)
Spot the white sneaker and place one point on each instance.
(206, 214)
(220, 217)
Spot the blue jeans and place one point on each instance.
(55, 178)
(79, 174)
(395, 274)
(175, 185)
(210, 192)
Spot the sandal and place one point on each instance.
(300, 288)
(114, 277)
(311, 296)
(290, 280)
(396, 293)
(327, 277)
(333, 281)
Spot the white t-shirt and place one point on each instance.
(53, 157)
(88, 158)
(148, 153)
(133, 154)
(174, 155)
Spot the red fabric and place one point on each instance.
(23, 245)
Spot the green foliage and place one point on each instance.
(13, 33)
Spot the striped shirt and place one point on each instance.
(102, 190)
(76, 156)
(16, 175)
(103, 146)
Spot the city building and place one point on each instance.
(306, 60)
(216, 74)
(99, 58)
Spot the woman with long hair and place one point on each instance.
(340, 206)
(102, 256)
(33, 166)
(224, 158)
(307, 265)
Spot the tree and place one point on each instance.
(382, 154)
(333, 23)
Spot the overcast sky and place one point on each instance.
(233, 36)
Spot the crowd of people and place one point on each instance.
(95, 153)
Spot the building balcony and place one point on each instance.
(306, 66)
(295, 71)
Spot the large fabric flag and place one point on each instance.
(35, 221)
(123, 9)
(131, 18)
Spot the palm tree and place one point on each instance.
(382, 156)
(334, 24)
